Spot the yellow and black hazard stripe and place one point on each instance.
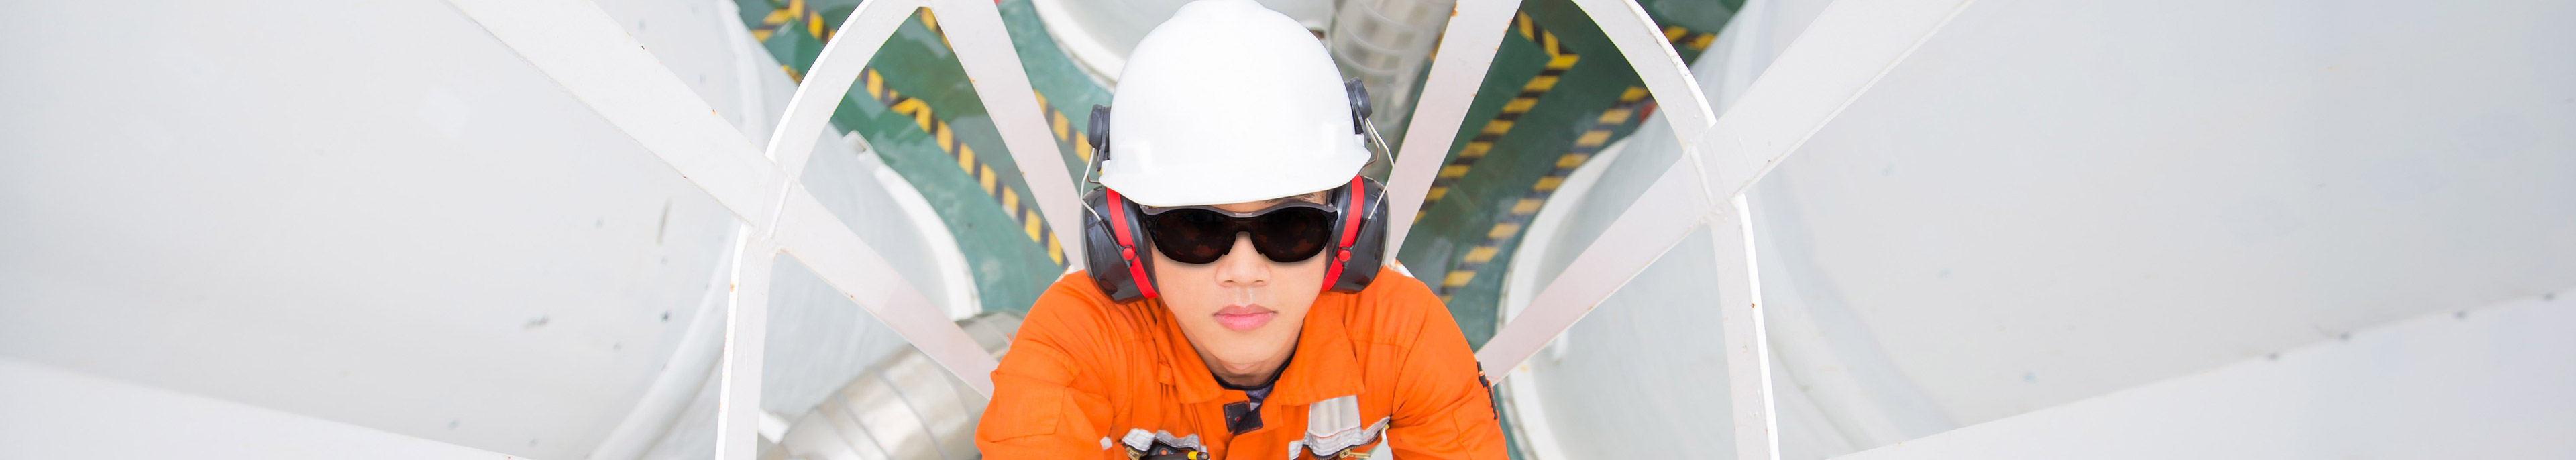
(1020, 210)
(1558, 61)
(1056, 123)
(1683, 37)
(1062, 126)
(1631, 104)
(794, 14)
(1064, 130)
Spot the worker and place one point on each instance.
(1233, 302)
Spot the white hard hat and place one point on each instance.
(1229, 102)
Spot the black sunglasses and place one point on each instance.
(1287, 232)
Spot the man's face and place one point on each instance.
(1243, 309)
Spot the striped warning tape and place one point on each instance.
(1056, 121)
(1558, 61)
(1021, 211)
(1683, 37)
(1632, 104)
(1064, 130)
(795, 12)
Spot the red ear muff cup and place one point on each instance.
(1361, 219)
(1114, 247)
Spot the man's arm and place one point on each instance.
(1444, 410)
(1040, 409)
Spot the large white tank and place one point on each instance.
(228, 225)
(2275, 230)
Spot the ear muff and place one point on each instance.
(1359, 243)
(1114, 246)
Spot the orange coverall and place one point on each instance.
(1088, 378)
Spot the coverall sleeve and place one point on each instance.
(1045, 405)
(1446, 411)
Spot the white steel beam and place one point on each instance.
(1748, 349)
(1467, 48)
(745, 345)
(827, 245)
(810, 110)
(1667, 77)
(984, 48)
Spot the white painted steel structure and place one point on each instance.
(584, 59)
(2242, 408)
(579, 47)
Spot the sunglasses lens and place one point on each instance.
(1201, 236)
(1195, 236)
(1293, 234)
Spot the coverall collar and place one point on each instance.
(1322, 367)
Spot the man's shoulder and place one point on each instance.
(1394, 309)
(1073, 301)
(1075, 311)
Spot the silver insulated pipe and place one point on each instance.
(1386, 43)
(905, 407)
